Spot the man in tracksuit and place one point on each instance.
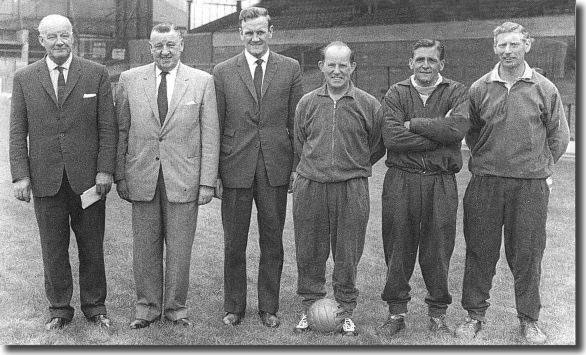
(519, 131)
(425, 120)
(337, 137)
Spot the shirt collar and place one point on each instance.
(439, 81)
(494, 74)
(323, 91)
(172, 72)
(52, 65)
(252, 59)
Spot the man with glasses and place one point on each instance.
(167, 165)
(257, 92)
(63, 142)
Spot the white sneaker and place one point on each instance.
(303, 325)
(348, 327)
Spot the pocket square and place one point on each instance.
(85, 96)
(190, 103)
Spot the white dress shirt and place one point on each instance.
(170, 81)
(252, 63)
(54, 73)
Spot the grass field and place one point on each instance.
(23, 306)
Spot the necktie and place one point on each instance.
(60, 84)
(258, 78)
(162, 97)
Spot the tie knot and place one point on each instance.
(163, 73)
(259, 62)
(60, 69)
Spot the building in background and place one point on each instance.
(204, 11)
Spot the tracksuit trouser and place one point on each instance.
(520, 206)
(329, 215)
(418, 212)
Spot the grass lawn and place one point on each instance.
(24, 307)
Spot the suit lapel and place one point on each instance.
(72, 77)
(271, 70)
(150, 86)
(179, 90)
(244, 72)
(45, 79)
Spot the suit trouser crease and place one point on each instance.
(329, 216)
(271, 205)
(517, 207)
(418, 213)
(163, 235)
(55, 215)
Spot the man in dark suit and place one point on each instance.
(257, 92)
(63, 105)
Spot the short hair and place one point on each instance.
(166, 27)
(509, 27)
(337, 44)
(50, 18)
(428, 43)
(253, 12)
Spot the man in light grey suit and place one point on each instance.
(167, 165)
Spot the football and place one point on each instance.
(322, 316)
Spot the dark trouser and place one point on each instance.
(271, 204)
(55, 214)
(159, 225)
(520, 205)
(327, 214)
(418, 211)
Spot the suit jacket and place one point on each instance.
(186, 146)
(78, 134)
(248, 126)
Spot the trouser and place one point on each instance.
(520, 205)
(162, 226)
(271, 205)
(55, 215)
(329, 215)
(418, 212)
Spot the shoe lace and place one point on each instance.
(348, 325)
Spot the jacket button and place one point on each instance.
(62, 135)
(157, 158)
(160, 139)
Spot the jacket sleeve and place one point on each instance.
(558, 131)
(476, 123)
(18, 146)
(123, 116)
(395, 135)
(107, 126)
(220, 98)
(295, 94)
(377, 146)
(450, 128)
(299, 132)
(210, 136)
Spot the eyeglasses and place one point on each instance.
(160, 46)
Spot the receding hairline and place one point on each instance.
(338, 44)
(53, 18)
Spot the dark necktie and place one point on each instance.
(258, 78)
(60, 84)
(162, 97)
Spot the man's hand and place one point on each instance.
(291, 181)
(122, 189)
(22, 189)
(206, 193)
(103, 184)
(219, 189)
(407, 124)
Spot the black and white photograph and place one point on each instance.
(251, 175)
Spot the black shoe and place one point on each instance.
(102, 320)
(438, 325)
(139, 323)
(394, 324)
(269, 320)
(232, 318)
(56, 323)
(183, 321)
